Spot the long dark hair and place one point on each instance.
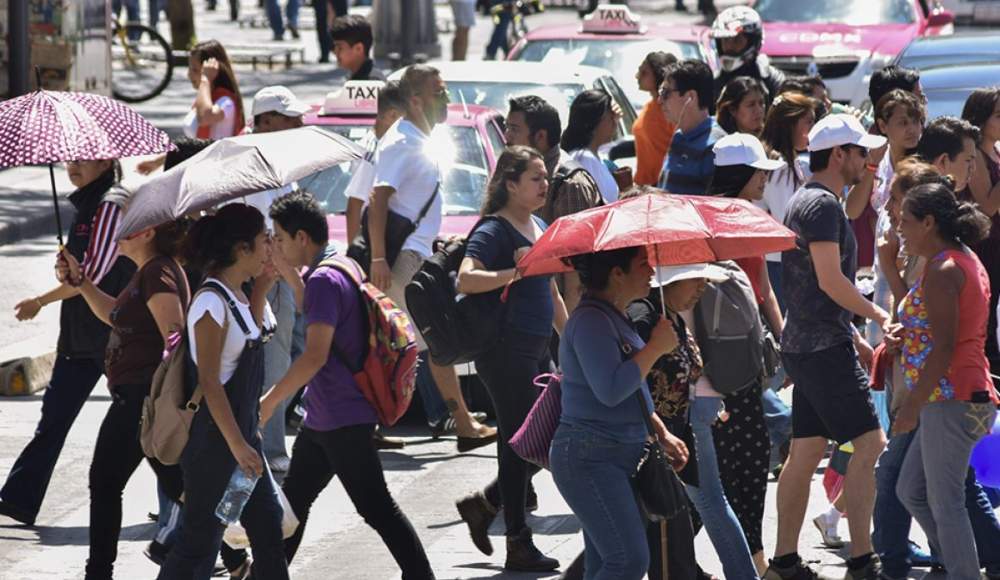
(213, 240)
(980, 106)
(169, 237)
(585, 114)
(957, 221)
(779, 126)
(227, 78)
(512, 164)
(732, 95)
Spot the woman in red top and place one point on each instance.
(943, 334)
(651, 129)
(218, 106)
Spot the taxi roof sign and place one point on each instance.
(613, 19)
(355, 97)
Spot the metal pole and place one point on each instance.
(409, 29)
(19, 47)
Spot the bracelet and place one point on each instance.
(38, 301)
(871, 167)
(378, 260)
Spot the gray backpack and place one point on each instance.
(730, 333)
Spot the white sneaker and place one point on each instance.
(828, 532)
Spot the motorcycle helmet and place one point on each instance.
(731, 23)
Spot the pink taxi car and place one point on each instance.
(616, 39)
(468, 144)
(845, 41)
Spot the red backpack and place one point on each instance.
(387, 372)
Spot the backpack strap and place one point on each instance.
(209, 286)
(427, 206)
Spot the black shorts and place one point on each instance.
(830, 398)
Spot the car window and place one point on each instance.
(464, 170)
(495, 135)
(497, 95)
(850, 12)
(621, 57)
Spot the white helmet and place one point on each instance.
(733, 22)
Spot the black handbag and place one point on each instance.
(658, 490)
(397, 229)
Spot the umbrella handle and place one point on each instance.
(55, 203)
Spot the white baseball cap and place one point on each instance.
(278, 99)
(667, 275)
(843, 129)
(743, 149)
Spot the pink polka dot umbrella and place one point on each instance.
(47, 127)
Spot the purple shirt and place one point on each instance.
(333, 398)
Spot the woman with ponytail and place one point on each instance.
(593, 122)
(533, 309)
(942, 335)
(226, 331)
(143, 317)
(218, 106)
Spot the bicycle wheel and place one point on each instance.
(141, 63)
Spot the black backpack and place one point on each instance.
(730, 333)
(456, 327)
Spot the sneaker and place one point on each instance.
(871, 571)
(799, 571)
(829, 534)
(446, 425)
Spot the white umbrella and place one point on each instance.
(232, 168)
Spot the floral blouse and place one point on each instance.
(672, 375)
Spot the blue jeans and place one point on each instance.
(274, 15)
(430, 396)
(777, 414)
(277, 360)
(891, 533)
(592, 474)
(709, 498)
(72, 381)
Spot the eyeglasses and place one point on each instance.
(665, 93)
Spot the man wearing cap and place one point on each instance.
(822, 351)
(276, 108)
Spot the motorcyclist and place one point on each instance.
(739, 33)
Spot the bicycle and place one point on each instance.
(142, 62)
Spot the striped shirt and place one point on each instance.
(690, 162)
(102, 251)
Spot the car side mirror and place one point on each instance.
(940, 18)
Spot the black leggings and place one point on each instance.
(350, 454)
(509, 371)
(117, 454)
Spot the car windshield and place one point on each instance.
(621, 57)
(463, 161)
(850, 12)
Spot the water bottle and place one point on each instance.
(237, 494)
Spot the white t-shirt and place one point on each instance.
(780, 188)
(599, 171)
(221, 129)
(363, 171)
(703, 387)
(404, 161)
(209, 302)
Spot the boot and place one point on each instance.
(523, 556)
(478, 514)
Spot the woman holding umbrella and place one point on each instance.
(143, 317)
(82, 336)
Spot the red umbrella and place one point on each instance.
(675, 229)
(53, 126)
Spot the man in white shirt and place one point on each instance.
(390, 110)
(407, 176)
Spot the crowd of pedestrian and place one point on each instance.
(632, 338)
